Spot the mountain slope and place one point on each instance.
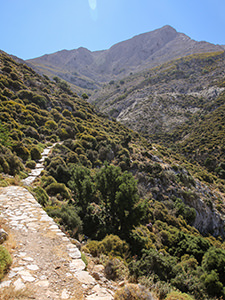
(159, 99)
(107, 182)
(86, 69)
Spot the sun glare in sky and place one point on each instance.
(92, 4)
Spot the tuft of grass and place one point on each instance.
(10, 293)
(5, 261)
(84, 258)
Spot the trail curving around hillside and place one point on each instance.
(45, 262)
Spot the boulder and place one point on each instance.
(3, 235)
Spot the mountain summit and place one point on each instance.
(86, 69)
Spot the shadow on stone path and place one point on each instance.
(44, 260)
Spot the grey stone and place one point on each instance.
(3, 235)
(85, 277)
(42, 283)
(27, 258)
(19, 285)
(65, 294)
(77, 265)
(28, 278)
(5, 284)
(32, 267)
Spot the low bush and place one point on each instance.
(41, 195)
(67, 216)
(35, 153)
(111, 245)
(5, 261)
(178, 296)
(58, 188)
(116, 269)
(30, 164)
(133, 292)
(47, 180)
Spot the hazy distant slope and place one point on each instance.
(87, 69)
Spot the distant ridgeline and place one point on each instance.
(107, 182)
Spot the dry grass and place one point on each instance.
(10, 294)
(133, 292)
(10, 244)
(9, 180)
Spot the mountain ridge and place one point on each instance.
(88, 70)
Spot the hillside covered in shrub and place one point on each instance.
(142, 207)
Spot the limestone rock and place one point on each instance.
(3, 235)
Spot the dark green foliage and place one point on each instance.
(47, 180)
(119, 194)
(188, 213)
(154, 262)
(21, 151)
(214, 260)
(82, 187)
(5, 261)
(4, 135)
(35, 153)
(41, 195)
(10, 163)
(33, 97)
(84, 96)
(213, 286)
(67, 216)
(31, 164)
(58, 188)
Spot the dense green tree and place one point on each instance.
(214, 260)
(82, 187)
(119, 193)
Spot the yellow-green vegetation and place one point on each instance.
(136, 202)
(5, 261)
(178, 296)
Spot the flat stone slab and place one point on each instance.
(77, 265)
(19, 285)
(85, 277)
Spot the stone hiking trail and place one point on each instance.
(45, 261)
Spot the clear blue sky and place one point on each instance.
(31, 28)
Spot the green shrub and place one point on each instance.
(58, 188)
(68, 217)
(30, 164)
(5, 261)
(15, 164)
(116, 269)
(178, 296)
(41, 195)
(113, 245)
(50, 124)
(133, 292)
(110, 245)
(4, 166)
(35, 153)
(47, 180)
(21, 151)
